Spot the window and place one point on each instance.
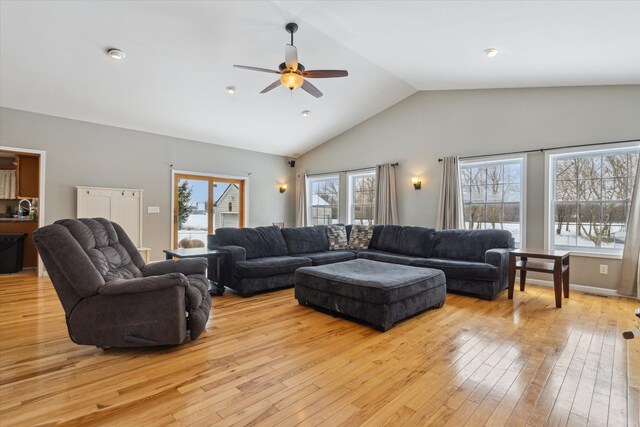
(493, 195)
(590, 194)
(323, 195)
(362, 193)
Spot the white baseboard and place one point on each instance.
(579, 288)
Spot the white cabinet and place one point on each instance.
(120, 205)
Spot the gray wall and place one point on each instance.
(81, 153)
(428, 125)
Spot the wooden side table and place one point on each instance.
(215, 285)
(559, 268)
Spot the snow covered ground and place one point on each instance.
(196, 227)
(570, 237)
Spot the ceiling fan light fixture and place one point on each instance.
(291, 80)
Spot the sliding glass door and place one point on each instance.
(203, 204)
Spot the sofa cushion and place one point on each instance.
(328, 257)
(457, 269)
(337, 235)
(259, 242)
(469, 244)
(370, 281)
(302, 240)
(360, 237)
(383, 256)
(413, 241)
(269, 266)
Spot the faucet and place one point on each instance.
(22, 208)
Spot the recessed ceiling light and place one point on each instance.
(491, 52)
(230, 90)
(116, 54)
(306, 113)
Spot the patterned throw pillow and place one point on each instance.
(360, 236)
(337, 235)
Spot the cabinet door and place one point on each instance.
(94, 203)
(28, 176)
(125, 211)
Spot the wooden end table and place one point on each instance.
(215, 286)
(559, 267)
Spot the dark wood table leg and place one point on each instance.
(512, 274)
(523, 274)
(565, 277)
(557, 281)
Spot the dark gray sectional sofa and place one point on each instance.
(475, 262)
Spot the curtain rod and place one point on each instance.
(542, 150)
(350, 170)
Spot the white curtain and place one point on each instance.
(450, 203)
(7, 184)
(386, 197)
(630, 276)
(301, 200)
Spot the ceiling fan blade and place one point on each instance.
(324, 74)
(264, 70)
(308, 87)
(271, 87)
(291, 57)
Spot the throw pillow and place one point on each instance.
(337, 235)
(360, 236)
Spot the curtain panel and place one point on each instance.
(301, 200)
(7, 184)
(386, 196)
(629, 278)
(450, 214)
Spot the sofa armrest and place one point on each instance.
(143, 284)
(235, 253)
(186, 266)
(228, 261)
(499, 257)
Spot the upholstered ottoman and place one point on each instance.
(375, 292)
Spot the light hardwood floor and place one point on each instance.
(267, 361)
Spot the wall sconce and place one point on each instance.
(417, 184)
(283, 188)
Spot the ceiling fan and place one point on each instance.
(293, 74)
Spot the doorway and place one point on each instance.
(203, 203)
(22, 205)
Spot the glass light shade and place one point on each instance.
(291, 80)
(415, 180)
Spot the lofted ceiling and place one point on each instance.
(179, 57)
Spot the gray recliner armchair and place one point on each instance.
(110, 297)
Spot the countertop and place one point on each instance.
(17, 220)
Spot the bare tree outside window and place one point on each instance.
(591, 197)
(492, 195)
(362, 192)
(323, 200)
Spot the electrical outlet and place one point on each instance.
(153, 209)
(604, 269)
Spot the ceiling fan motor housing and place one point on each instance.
(291, 27)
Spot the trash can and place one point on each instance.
(11, 252)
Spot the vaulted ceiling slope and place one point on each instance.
(179, 58)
